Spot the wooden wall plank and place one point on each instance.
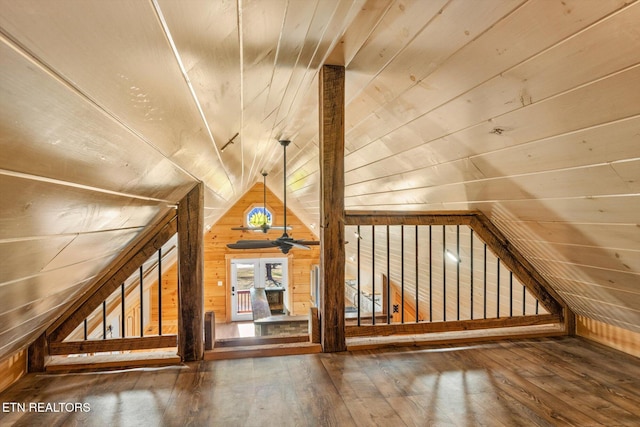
(12, 368)
(611, 336)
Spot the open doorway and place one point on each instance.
(268, 273)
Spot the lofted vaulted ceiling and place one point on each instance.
(526, 110)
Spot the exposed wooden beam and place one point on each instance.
(115, 344)
(190, 275)
(37, 354)
(114, 275)
(449, 326)
(332, 252)
(409, 218)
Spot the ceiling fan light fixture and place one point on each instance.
(285, 243)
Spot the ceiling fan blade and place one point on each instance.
(280, 227)
(263, 228)
(295, 244)
(253, 244)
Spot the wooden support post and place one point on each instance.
(209, 330)
(37, 355)
(332, 252)
(314, 326)
(190, 275)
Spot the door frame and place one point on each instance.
(256, 255)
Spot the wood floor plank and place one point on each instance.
(519, 387)
(584, 395)
(531, 382)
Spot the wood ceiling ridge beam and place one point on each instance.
(113, 276)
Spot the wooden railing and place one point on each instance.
(417, 273)
(119, 322)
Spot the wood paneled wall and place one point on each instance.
(12, 369)
(217, 298)
(609, 335)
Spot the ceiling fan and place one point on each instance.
(284, 242)
(265, 226)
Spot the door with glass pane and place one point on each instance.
(268, 273)
(243, 277)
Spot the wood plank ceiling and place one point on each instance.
(526, 110)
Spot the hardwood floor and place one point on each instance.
(535, 382)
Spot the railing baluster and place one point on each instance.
(388, 280)
(402, 273)
(471, 273)
(86, 331)
(498, 289)
(536, 306)
(358, 275)
(510, 294)
(159, 291)
(430, 277)
(123, 321)
(417, 274)
(104, 320)
(444, 274)
(373, 274)
(458, 272)
(484, 273)
(524, 296)
(141, 303)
